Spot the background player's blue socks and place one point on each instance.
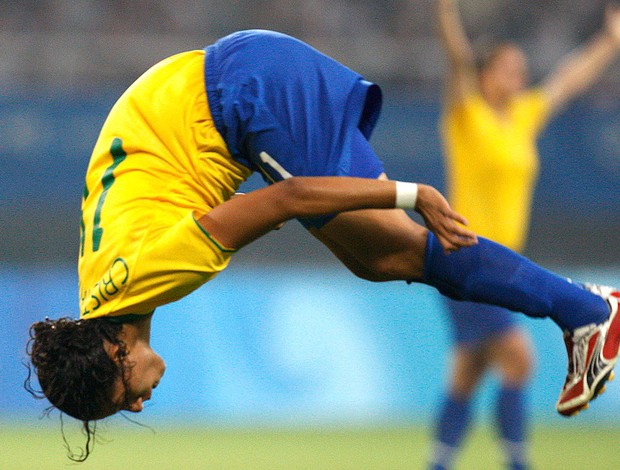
(491, 273)
(511, 422)
(452, 426)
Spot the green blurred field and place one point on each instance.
(393, 448)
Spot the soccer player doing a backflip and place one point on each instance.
(159, 219)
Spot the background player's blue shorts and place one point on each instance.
(474, 323)
(285, 109)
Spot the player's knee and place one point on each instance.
(521, 368)
(517, 360)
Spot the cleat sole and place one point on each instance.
(576, 411)
(600, 388)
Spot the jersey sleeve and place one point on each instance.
(170, 265)
(181, 259)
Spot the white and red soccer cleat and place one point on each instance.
(592, 354)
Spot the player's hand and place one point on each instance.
(447, 225)
(612, 22)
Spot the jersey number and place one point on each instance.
(107, 180)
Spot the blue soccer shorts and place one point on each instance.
(474, 323)
(285, 109)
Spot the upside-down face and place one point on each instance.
(144, 370)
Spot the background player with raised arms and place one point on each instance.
(489, 126)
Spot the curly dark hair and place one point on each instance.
(75, 372)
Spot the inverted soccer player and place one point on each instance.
(159, 219)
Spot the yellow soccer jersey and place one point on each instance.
(492, 164)
(158, 165)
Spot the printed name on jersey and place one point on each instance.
(107, 288)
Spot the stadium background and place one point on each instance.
(287, 337)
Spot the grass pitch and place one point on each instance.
(390, 448)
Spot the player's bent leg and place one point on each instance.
(376, 245)
(592, 354)
(383, 245)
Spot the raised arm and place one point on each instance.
(241, 220)
(581, 68)
(462, 72)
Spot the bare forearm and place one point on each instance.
(320, 196)
(583, 67)
(310, 197)
(342, 194)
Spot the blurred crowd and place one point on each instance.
(72, 41)
(397, 18)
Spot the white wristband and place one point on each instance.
(406, 195)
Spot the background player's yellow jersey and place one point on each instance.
(492, 164)
(158, 165)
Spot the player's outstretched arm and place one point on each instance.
(241, 220)
(581, 68)
(461, 76)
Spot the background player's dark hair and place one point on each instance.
(75, 372)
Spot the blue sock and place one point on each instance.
(511, 420)
(490, 273)
(451, 428)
